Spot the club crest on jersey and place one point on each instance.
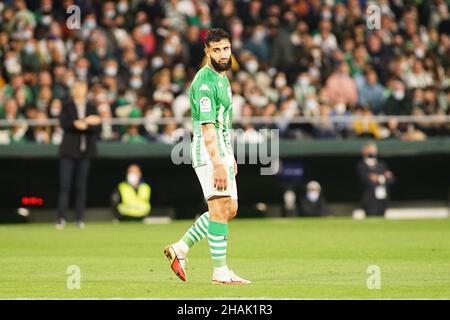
(205, 104)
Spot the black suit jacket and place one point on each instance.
(368, 186)
(313, 209)
(70, 145)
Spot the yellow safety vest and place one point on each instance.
(134, 204)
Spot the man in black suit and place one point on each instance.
(81, 126)
(375, 178)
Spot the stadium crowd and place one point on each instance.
(291, 58)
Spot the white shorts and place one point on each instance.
(205, 175)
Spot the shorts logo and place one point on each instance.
(205, 104)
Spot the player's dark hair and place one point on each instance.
(215, 35)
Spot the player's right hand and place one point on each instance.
(93, 120)
(220, 178)
(80, 124)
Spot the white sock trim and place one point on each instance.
(182, 247)
(221, 270)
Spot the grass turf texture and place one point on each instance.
(285, 258)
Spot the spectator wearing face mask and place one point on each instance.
(375, 178)
(131, 199)
(399, 103)
(313, 204)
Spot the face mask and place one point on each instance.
(399, 94)
(73, 56)
(339, 18)
(110, 14)
(136, 83)
(314, 73)
(40, 137)
(133, 178)
(289, 199)
(101, 52)
(252, 66)
(237, 28)
(312, 196)
(13, 66)
(303, 82)
(101, 97)
(259, 36)
(54, 112)
(82, 72)
(46, 20)
(111, 96)
(340, 108)
(370, 161)
(280, 82)
(90, 24)
(146, 28)
(29, 48)
(311, 104)
(10, 62)
(136, 70)
(70, 82)
(258, 101)
(326, 15)
(122, 7)
(26, 34)
(111, 71)
(157, 62)
(293, 105)
(419, 53)
(169, 50)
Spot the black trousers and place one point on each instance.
(375, 207)
(67, 168)
(120, 217)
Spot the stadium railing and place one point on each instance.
(429, 119)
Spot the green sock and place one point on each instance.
(217, 239)
(198, 230)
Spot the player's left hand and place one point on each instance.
(93, 120)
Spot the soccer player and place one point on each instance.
(213, 161)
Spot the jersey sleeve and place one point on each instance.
(206, 103)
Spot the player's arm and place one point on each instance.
(212, 146)
(207, 119)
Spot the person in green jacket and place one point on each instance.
(131, 198)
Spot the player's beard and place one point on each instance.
(220, 67)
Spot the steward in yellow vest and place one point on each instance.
(131, 199)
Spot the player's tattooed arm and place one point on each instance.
(211, 143)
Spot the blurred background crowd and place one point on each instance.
(291, 59)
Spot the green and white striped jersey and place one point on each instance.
(211, 102)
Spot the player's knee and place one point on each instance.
(220, 208)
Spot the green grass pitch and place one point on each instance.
(285, 258)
